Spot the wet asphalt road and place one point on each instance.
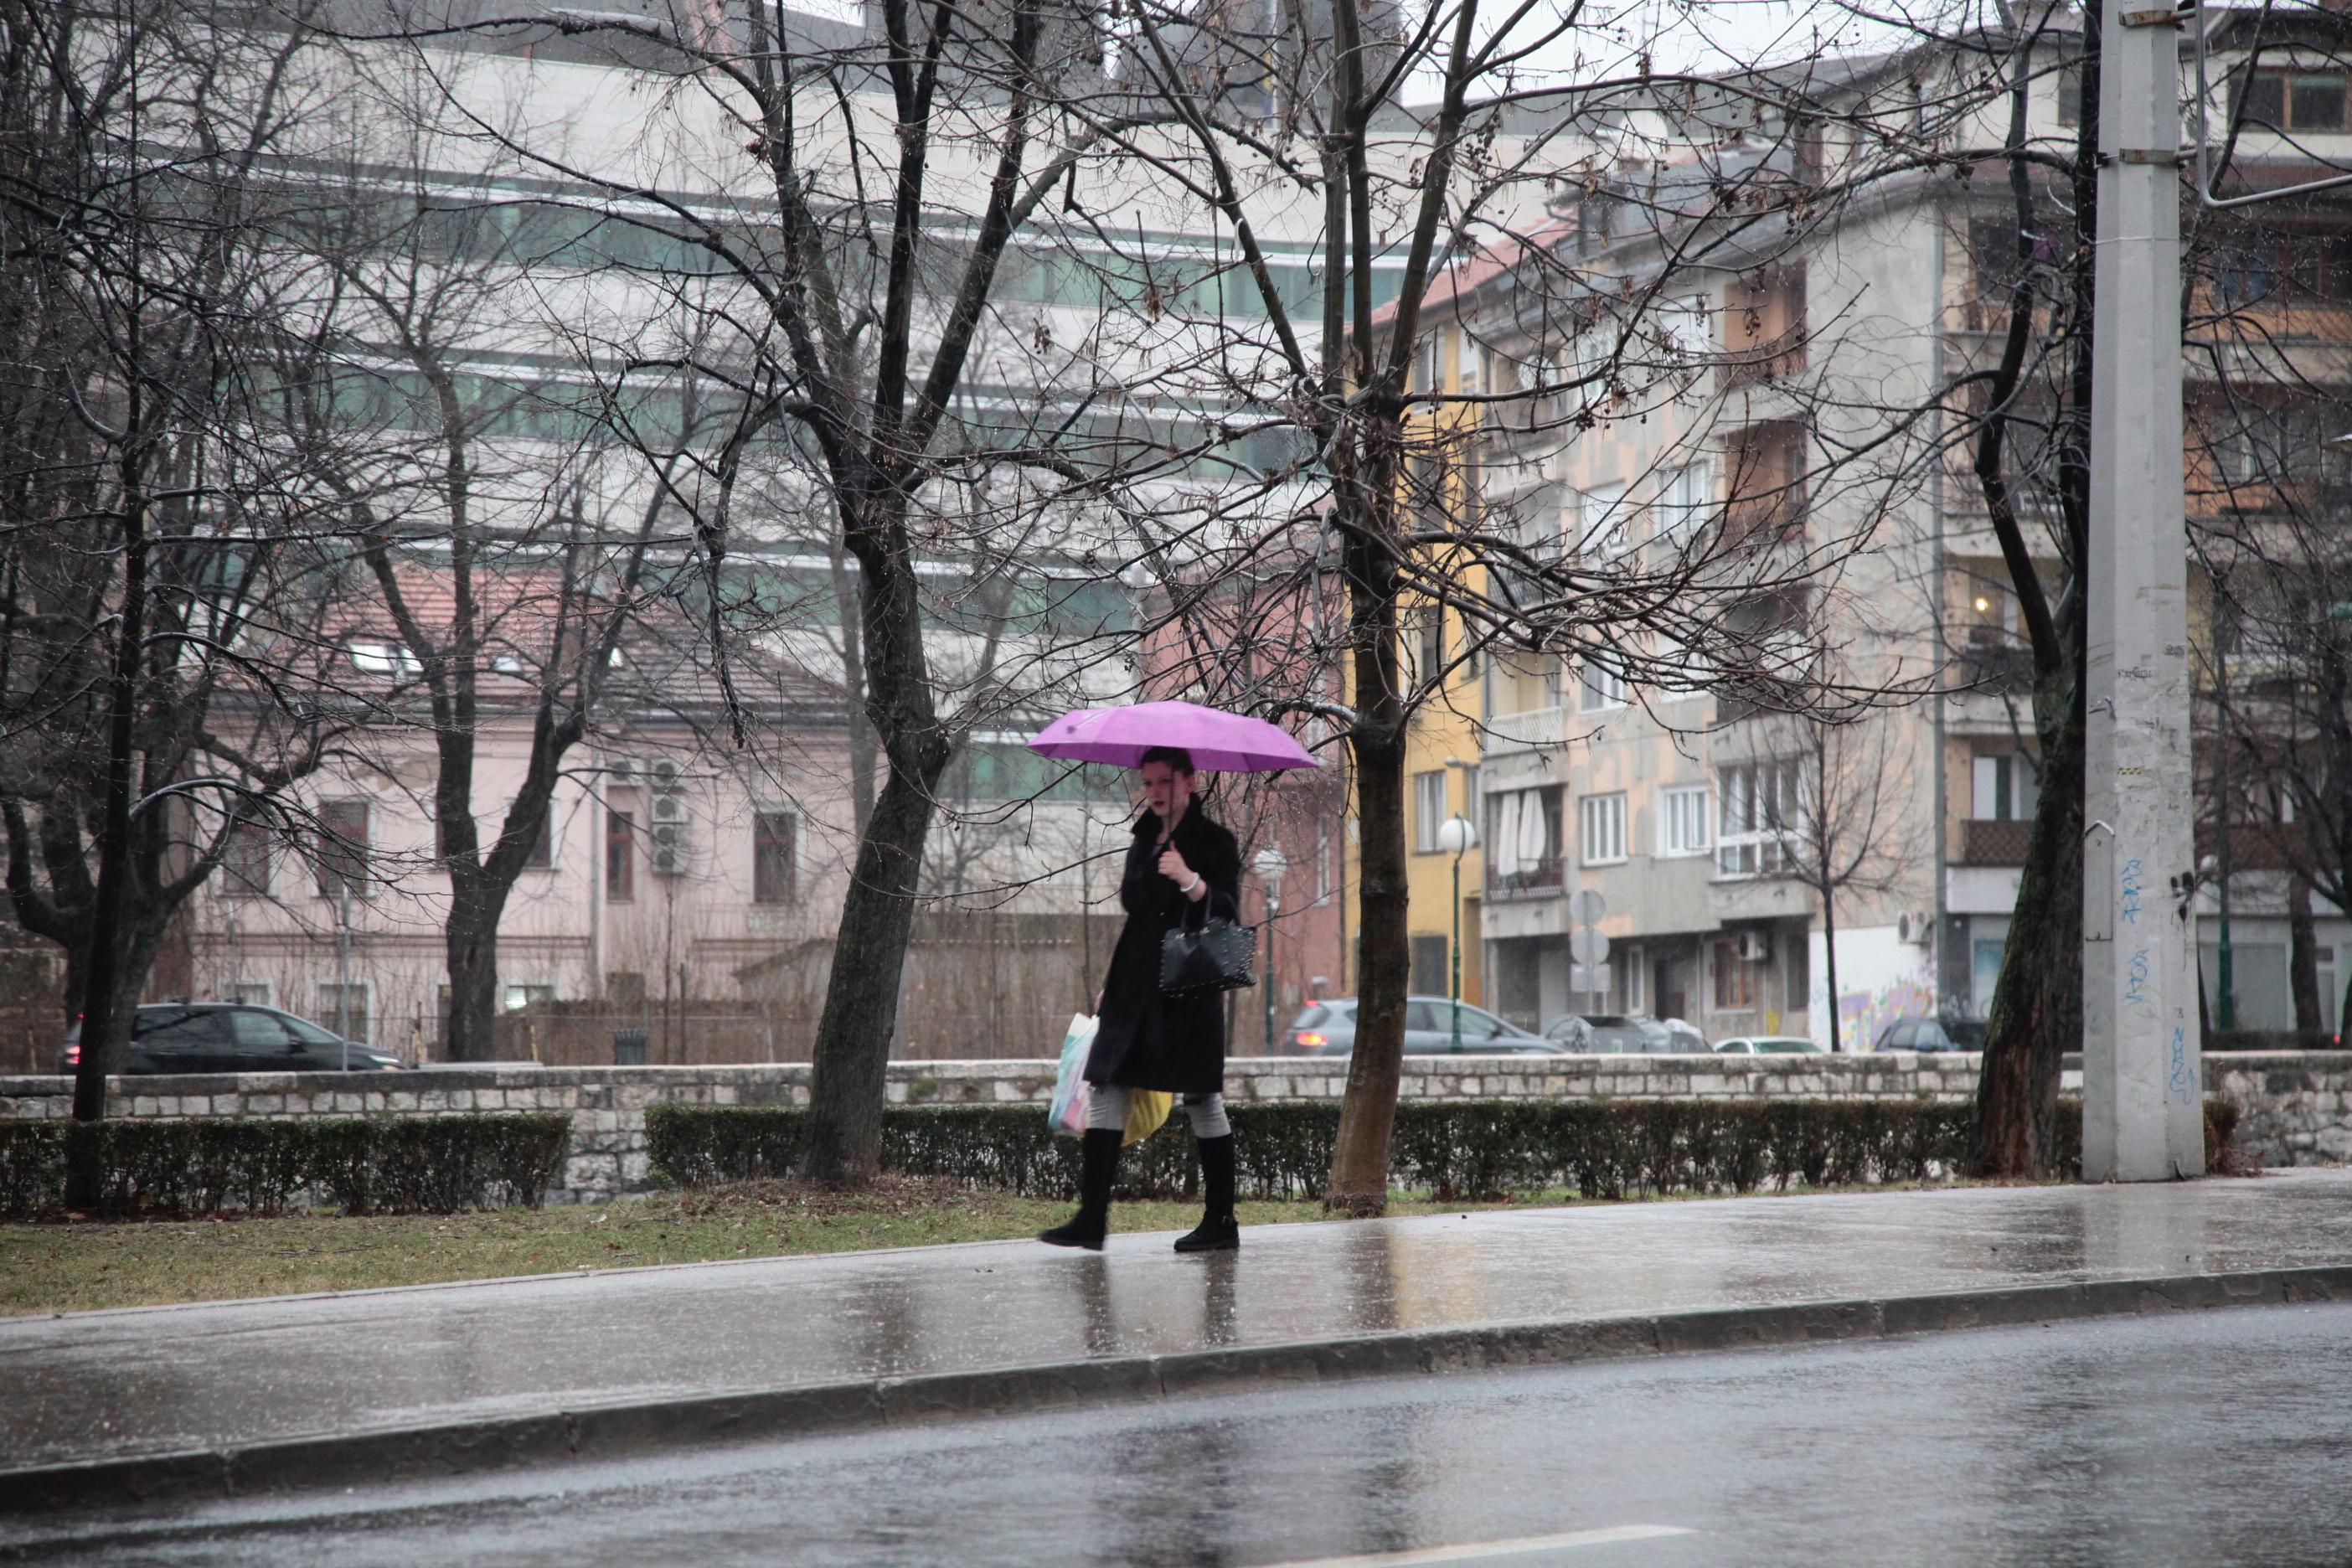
(2202, 1439)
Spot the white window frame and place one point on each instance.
(1634, 967)
(1601, 828)
(1682, 325)
(1760, 850)
(508, 987)
(1683, 500)
(1600, 688)
(1604, 521)
(1695, 805)
(1426, 822)
(383, 656)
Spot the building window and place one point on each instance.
(1734, 977)
(1603, 688)
(620, 856)
(1633, 970)
(245, 860)
(1683, 503)
(344, 1009)
(527, 995)
(1433, 641)
(1428, 810)
(1600, 820)
(384, 658)
(1684, 824)
(2292, 98)
(542, 847)
(771, 857)
(1682, 326)
(2004, 789)
(342, 847)
(1603, 523)
(1759, 807)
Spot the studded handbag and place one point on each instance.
(1217, 955)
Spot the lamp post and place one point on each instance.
(1270, 863)
(1456, 836)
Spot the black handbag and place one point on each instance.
(1216, 957)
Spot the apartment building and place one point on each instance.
(681, 866)
(1786, 390)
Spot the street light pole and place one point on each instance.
(1270, 863)
(1455, 836)
(2142, 1071)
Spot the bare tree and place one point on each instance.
(154, 533)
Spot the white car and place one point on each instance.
(1768, 1046)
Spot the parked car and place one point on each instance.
(1914, 1035)
(1329, 1029)
(1768, 1046)
(1624, 1033)
(231, 1036)
(1693, 1041)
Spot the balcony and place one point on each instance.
(1548, 877)
(1991, 842)
(1999, 665)
(1537, 730)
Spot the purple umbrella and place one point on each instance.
(1220, 743)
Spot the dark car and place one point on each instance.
(1329, 1029)
(1914, 1035)
(1622, 1034)
(231, 1036)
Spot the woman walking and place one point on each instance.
(1182, 867)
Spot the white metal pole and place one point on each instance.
(343, 982)
(2142, 1073)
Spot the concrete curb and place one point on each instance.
(618, 1430)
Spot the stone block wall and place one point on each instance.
(2297, 1105)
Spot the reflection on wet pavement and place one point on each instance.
(161, 1379)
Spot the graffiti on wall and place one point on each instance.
(1881, 978)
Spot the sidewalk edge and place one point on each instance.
(619, 1431)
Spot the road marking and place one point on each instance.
(1471, 1551)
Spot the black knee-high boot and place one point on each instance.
(1100, 1152)
(1218, 1230)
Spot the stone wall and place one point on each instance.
(2297, 1105)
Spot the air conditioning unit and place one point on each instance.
(665, 774)
(1915, 928)
(621, 771)
(1754, 947)
(669, 849)
(670, 810)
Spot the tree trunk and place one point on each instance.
(470, 1026)
(1359, 1162)
(106, 1016)
(2303, 956)
(2037, 1003)
(843, 1144)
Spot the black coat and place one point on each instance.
(1146, 1040)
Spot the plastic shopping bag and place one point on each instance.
(1068, 1114)
(1146, 1110)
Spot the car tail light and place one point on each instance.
(1312, 1040)
(73, 1055)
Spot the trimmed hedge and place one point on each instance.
(1458, 1149)
(433, 1164)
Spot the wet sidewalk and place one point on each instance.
(250, 1394)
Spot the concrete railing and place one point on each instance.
(2296, 1105)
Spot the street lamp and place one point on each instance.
(1456, 836)
(1270, 863)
